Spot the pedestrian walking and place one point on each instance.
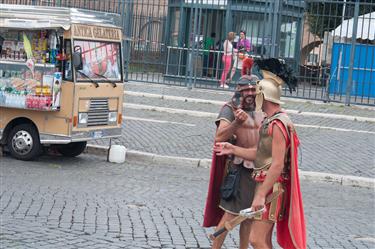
(227, 59)
(208, 55)
(243, 43)
(240, 61)
(240, 53)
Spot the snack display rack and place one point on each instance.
(30, 76)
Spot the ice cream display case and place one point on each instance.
(30, 76)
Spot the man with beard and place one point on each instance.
(237, 122)
(275, 165)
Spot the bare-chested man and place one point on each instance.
(238, 122)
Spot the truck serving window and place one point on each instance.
(100, 59)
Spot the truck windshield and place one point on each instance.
(100, 59)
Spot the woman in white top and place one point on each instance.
(227, 58)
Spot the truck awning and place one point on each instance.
(42, 17)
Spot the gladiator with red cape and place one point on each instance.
(273, 171)
(231, 187)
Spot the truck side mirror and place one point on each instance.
(77, 58)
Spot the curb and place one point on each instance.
(345, 180)
(145, 157)
(202, 114)
(220, 103)
(230, 92)
(199, 114)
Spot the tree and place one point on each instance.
(323, 16)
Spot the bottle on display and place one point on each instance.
(47, 56)
(52, 48)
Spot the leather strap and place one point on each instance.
(273, 196)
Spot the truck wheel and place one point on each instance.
(23, 142)
(71, 149)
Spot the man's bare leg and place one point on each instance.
(261, 234)
(218, 242)
(244, 234)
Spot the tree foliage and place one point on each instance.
(326, 16)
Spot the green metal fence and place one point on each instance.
(330, 44)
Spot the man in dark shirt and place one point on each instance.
(238, 122)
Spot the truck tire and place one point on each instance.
(71, 149)
(23, 142)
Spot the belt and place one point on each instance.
(260, 175)
(239, 165)
(246, 163)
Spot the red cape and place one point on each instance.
(212, 212)
(291, 231)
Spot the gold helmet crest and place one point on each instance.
(269, 88)
(274, 72)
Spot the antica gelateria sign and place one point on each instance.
(95, 32)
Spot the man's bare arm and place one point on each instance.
(226, 130)
(223, 148)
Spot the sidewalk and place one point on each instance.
(221, 95)
(169, 127)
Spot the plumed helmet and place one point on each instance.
(273, 72)
(246, 80)
(269, 88)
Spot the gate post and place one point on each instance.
(191, 46)
(352, 53)
(276, 22)
(228, 18)
(127, 10)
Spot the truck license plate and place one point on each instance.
(97, 134)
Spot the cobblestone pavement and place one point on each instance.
(308, 105)
(307, 91)
(301, 119)
(87, 203)
(322, 150)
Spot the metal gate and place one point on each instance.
(330, 44)
(337, 61)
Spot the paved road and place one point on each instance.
(88, 203)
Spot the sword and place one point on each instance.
(247, 213)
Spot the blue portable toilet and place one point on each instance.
(363, 70)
